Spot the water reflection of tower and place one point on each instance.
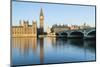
(33, 44)
(41, 22)
(41, 50)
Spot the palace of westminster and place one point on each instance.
(27, 30)
(24, 29)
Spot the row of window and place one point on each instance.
(23, 31)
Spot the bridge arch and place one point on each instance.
(77, 34)
(92, 33)
(64, 34)
(61, 34)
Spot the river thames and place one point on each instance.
(51, 50)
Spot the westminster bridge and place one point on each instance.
(85, 33)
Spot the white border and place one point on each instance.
(5, 33)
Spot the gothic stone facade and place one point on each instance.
(25, 30)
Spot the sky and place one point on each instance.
(53, 13)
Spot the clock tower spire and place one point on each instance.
(41, 22)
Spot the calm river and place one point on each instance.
(51, 50)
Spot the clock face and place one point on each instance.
(41, 17)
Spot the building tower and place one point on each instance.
(41, 22)
(34, 28)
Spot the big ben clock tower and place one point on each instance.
(41, 22)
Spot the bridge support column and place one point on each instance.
(85, 36)
(68, 35)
